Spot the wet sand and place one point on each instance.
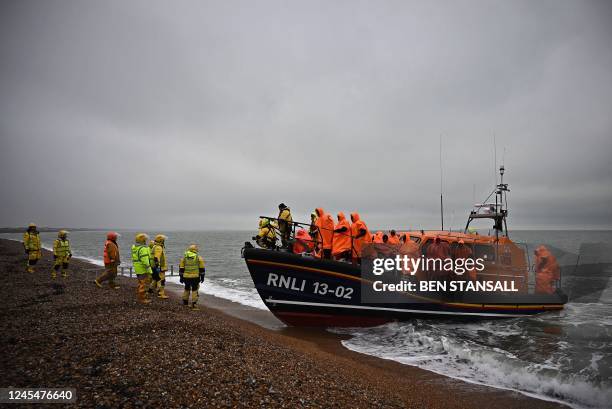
(115, 352)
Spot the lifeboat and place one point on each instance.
(305, 290)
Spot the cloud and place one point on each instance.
(206, 114)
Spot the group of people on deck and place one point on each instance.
(341, 240)
(324, 238)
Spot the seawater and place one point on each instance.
(561, 356)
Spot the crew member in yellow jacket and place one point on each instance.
(191, 272)
(141, 260)
(160, 266)
(61, 254)
(31, 245)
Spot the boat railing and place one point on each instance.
(296, 225)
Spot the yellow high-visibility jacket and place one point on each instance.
(31, 242)
(191, 263)
(61, 249)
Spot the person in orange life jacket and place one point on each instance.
(438, 250)
(464, 252)
(303, 242)
(341, 243)
(393, 238)
(410, 249)
(361, 236)
(547, 270)
(111, 261)
(325, 225)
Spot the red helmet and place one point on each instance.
(112, 235)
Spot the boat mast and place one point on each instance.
(497, 211)
(441, 200)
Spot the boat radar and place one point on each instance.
(497, 211)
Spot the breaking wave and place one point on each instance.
(470, 352)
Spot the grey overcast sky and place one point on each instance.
(206, 114)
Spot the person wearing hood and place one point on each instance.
(361, 236)
(285, 222)
(438, 250)
(31, 246)
(325, 225)
(112, 260)
(160, 266)
(547, 270)
(341, 243)
(393, 238)
(410, 249)
(303, 242)
(464, 252)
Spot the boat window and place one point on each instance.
(485, 252)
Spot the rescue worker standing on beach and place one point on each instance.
(141, 260)
(285, 222)
(191, 272)
(61, 254)
(31, 245)
(160, 266)
(111, 261)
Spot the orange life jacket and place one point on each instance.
(303, 242)
(107, 259)
(358, 242)
(378, 237)
(411, 250)
(547, 270)
(342, 239)
(393, 239)
(325, 223)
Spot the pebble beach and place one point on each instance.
(118, 353)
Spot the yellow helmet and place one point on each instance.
(141, 238)
(62, 234)
(263, 222)
(32, 226)
(193, 247)
(160, 238)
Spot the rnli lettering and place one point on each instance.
(295, 284)
(281, 281)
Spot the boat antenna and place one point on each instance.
(441, 200)
(494, 158)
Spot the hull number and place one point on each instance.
(295, 284)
